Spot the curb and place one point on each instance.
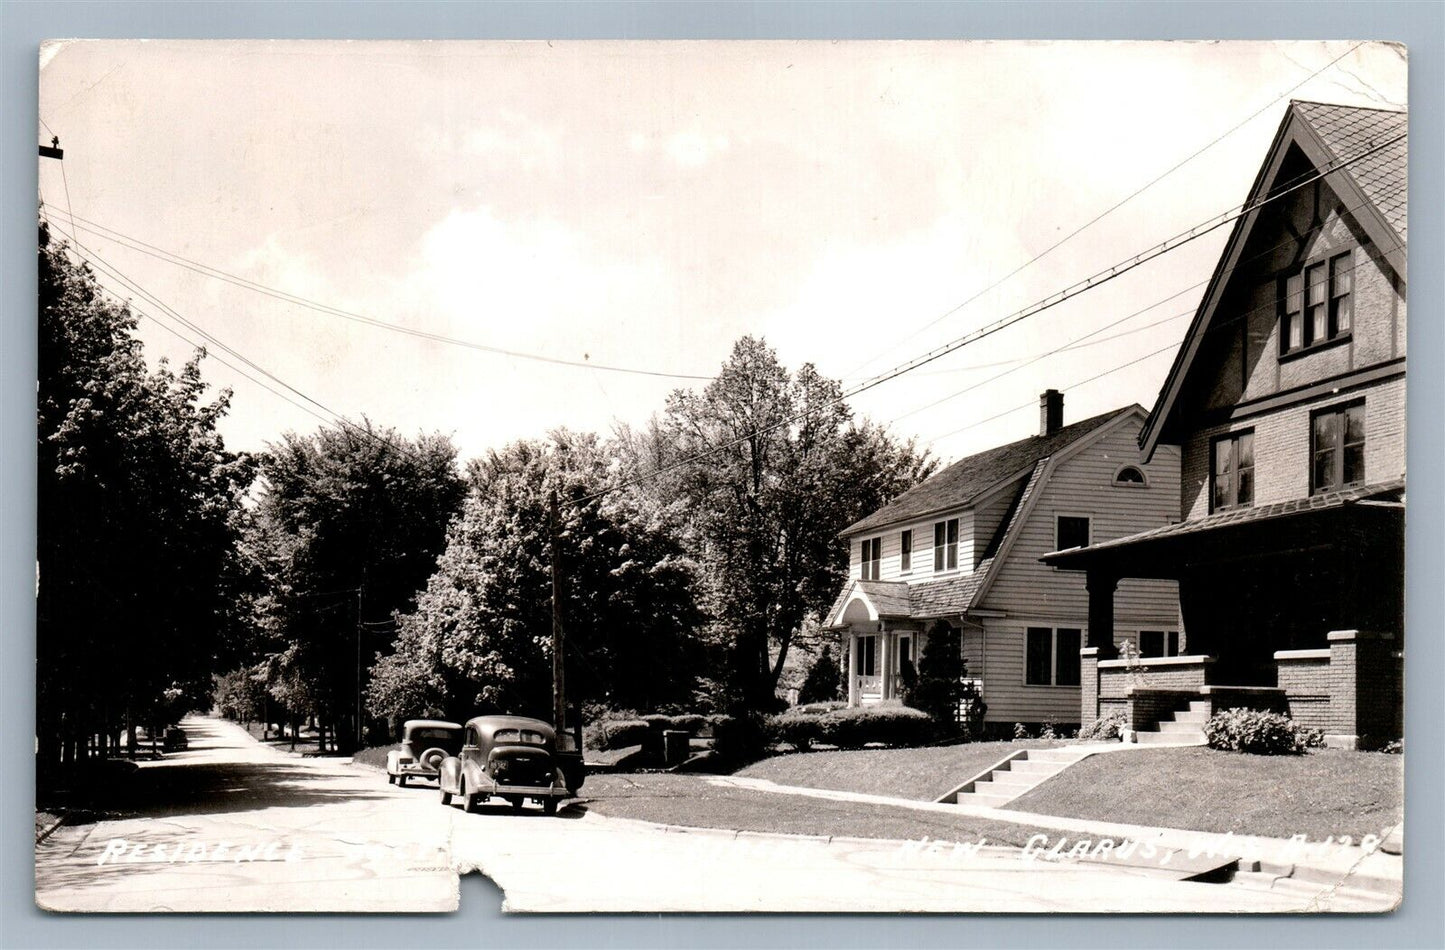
(49, 830)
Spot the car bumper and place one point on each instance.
(533, 791)
(421, 770)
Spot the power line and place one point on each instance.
(207, 270)
(1052, 300)
(1269, 305)
(335, 419)
(1114, 207)
(1078, 341)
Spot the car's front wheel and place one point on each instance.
(469, 802)
(446, 795)
(549, 806)
(401, 781)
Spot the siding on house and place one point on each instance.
(1031, 593)
(892, 548)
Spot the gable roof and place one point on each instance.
(1372, 186)
(967, 480)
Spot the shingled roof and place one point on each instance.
(1350, 130)
(963, 482)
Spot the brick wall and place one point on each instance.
(1305, 677)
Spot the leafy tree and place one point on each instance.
(480, 637)
(824, 679)
(771, 466)
(349, 524)
(138, 506)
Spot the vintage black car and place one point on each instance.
(513, 758)
(424, 744)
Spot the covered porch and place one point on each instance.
(879, 640)
(1296, 606)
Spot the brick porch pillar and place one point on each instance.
(1364, 688)
(1088, 685)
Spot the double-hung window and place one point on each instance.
(1316, 303)
(1071, 531)
(905, 551)
(945, 545)
(865, 656)
(1337, 447)
(1052, 656)
(1232, 474)
(871, 558)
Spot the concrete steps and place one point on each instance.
(1182, 727)
(1022, 771)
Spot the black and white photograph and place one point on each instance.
(917, 476)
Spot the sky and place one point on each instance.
(642, 205)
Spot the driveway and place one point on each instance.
(323, 835)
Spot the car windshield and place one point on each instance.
(528, 736)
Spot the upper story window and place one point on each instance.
(1337, 447)
(1232, 474)
(1071, 531)
(1131, 476)
(905, 550)
(1316, 304)
(870, 558)
(945, 545)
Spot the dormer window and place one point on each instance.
(1130, 476)
(1316, 304)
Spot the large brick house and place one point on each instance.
(963, 549)
(1286, 403)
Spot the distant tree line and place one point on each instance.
(353, 563)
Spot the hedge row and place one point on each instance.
(852, 727)
(628, 730)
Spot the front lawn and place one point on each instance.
(923, 774)
(1327, 792)
(694, 801)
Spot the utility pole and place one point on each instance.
(359, 588)
(559, 696)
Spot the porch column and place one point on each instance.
(850, 666)
(885, 663)
(1101, 586)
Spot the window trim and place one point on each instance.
(870, 568)
(1123, 468)
(1284, 316)
(1232, 436)
(1087, 516)
(942, 551)
(1053, 682)
(1166, 633)
(1340, 409)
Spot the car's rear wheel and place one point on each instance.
(469, 802)
(446, 795)
(516, 801)
(390, 779)
(401, 781)
(549, 806)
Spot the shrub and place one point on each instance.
(691, 723)
(1021, 731)
(1258, 732)
(817, 709)
(1047, 732)
(738, 738)
(824, 679)
(617, 733)
(855, 727)
(1104, 728)
(657, 721)
(798, 727)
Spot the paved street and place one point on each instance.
(312, 834)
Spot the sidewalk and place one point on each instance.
(1317, 862)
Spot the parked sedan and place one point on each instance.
(424, 744)
(507, 757)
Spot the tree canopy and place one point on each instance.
(138, 508)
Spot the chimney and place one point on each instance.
(1051, 411)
